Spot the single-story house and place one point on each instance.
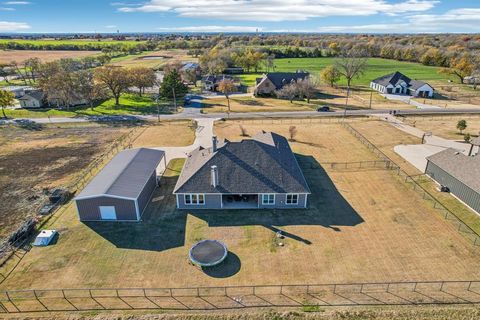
(270, 82)
(258, 173)
(122, 189)
(398, 83)
(191, 67)
(32, 99)
(18, 91)
(211, 82)
(459, 173)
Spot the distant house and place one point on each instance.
(211, 82)
(270, 82)
(233, 70)
(192, 67)
(18, 91)
(32, 99)
(398, 83)
(459, 173)
(258, 173)
(122, 189)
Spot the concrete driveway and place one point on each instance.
(408, 100)
(203, 137)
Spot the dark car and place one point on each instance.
(323, 109)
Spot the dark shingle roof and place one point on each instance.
(279, 79)
(392, 78)
(463, 168)
(36, 94)
(125, 175)
(264, 164)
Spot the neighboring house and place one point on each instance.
(258, 173)
(459, 173)
(122, 189)
(233, 70)
(472, 80)
(192, 67)
(18, 91)
(398, 83)
(270, 82)
(32, 99)
(211, 82)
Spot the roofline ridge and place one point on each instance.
(122, 171)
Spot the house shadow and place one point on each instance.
(162, 226)
(326, 208)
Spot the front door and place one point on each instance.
(108, 213)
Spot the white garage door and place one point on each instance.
(108, 213)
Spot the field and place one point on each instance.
(252, 104)
(376, 67)
(7, 56)
(51, 44)
(362, 225)
(153, 59)
(446, 126)
(130, 104)
(32, 160)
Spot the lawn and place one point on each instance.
(376, 67)
(361, 226)
(166, 134)
(129, 104)
(44, 158)
(252, 104)
(446, 126)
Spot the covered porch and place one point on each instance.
(240, 201)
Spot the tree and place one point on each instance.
(227, 86)
(467, 137)
(116, 79)
(292, 131)
(88, 90)
(306, 88)
(461, 125)
(142, 78)
(243, 131)
(32, 66)
(330, 75)
(173, 87)
(351, 65)
(7, 99)
(270, 62)
(288, 91)
(58, 82)
(460, 67)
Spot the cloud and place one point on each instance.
(278, 10)
(211, 29)
(13, 3)
(6, 9)
(6, 26)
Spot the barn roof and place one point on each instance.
(125, 175)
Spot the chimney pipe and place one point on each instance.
(214, 176)
(214, 143)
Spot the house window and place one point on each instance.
(268, 198)
(292, 198)
(194, 199)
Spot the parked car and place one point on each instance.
(323, 109)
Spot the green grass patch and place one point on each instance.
(376, 67)
(129, 104)
(174, 167)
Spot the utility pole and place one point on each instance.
(174, 99)
(346, 104)
(371, 96)
(158, 106)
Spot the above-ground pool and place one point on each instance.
(208, 253)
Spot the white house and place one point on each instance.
(398, 83)
(32, 99)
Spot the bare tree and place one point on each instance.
(142, 78)
(307, 88)
(243, 131)
(227, 86)
(351, 65)
(292, 131)
(288, 91)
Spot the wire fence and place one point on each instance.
(17, 249)
(309, 120)
(238, 297)
(355, 165)
(410, 181)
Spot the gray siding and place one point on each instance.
(460, 190)
(214, 201)
(147, 191)
(88, 209)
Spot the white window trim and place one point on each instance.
(293, 203)
(197, 203)
(268, 203)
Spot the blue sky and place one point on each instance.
(362, 16)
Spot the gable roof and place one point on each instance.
(264, 164)
(217, 78)
(392, 78)
(36, 95)
(125, 175)
(463, 168)
(279, 79)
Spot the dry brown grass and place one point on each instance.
(166, 134)
(361, 226)
(7, 56)
(446, 126)
(32, 160)
(166, 56)
(252, 104)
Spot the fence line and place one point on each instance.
(461, 226)
(336, 119)
(366, 164)
(19, 247)
(238, 297)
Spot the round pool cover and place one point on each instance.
(207, 253)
